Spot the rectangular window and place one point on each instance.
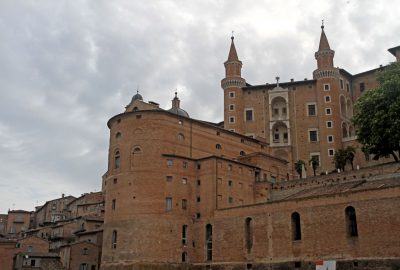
(331, 152)
(276, 111)
(328, 111)
(198, 199)
(232, 94)
(185, 164)
(341, 84)
(249, 114)
(284, 110)
(231, 107)
(168, 204)
(168, 178)
(113, 204)
(311, 109)
(184, 204)
(327, 99)
(198, 182)
(329, 124)
(330, 138)
(362, 87)
(169, 162)
(231, 119)
(184, 181)
(230, 183)
(230, 200)
(347, 87)
(327, 87)
(184, 234)
(313, 135)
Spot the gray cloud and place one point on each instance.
(68, 66)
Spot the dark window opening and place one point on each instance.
(113, 204)
(33, 262)
(114, 240)
(296, 227)
(184, 234)
(218, 146)
(351, 222)
(249, 115)
(297, 264)
(117, 160)
(248, 231)
(208, 242)
(184, 204)
(362, 87)
(311, 110)
(184, 257)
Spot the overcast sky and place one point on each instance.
(66, 67)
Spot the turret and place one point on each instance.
(324, 55)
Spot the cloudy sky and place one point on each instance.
(66, 67)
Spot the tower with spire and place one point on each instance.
(232, 85)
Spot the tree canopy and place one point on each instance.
(377, 115)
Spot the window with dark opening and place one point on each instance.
(208, 242)
(362, 87)
(114, 240)
(248, 233)
(184, 204)
(117, 160)
(184, 234)
(249, 115)
(351, 221)
(184, 257)
(296, 228)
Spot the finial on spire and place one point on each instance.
(322, 25)
(176, 93)
(232, 36)
(277, 81)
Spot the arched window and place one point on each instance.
(114, 240)
(345, 133)
(296, 227)
(117, 160)
(135, 108)
(242, 153)
(208, 242)
(279, 109)
(351, 221)
(137, 150)
(280, 133)
(181, 137)
(184, 257)
(248, 233)
(118, 135)
(218, 146)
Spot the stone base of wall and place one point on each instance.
(384, 264)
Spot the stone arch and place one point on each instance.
(345, 130)
(279, 107)
(136, 152)
(280, 133)
(342, 101)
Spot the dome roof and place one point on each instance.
(137, 96)
(179, 111)
(176, 107)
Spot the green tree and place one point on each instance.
(314, 162)
(377, 115)
(340, 159)
(350, 154)
(298, 166)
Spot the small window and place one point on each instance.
(329, 124)
(232, 119)
(328, 111)
(198, 182)
(181, 137)
(114, 240)
(312, 110)
(198, 166)
(231, 107)
(229, 167)
(198, 199)
(33, 262)
(351, 221)
(113, 202)
(184, 257)
(218, 146)
(331, 152)
(168, 178)
(348, 87)
(276, 111)
(30, 249)
(362, 87)
(230, 183)
(232, 94)
(330, 138)
(296, 227)
(230, 199)
(327, 87)
(198, 215)
(168, 204)
(184, 181)
(118, 135)
(85, 251)
(184, 204)
(284, 110)
(249, 114)
(313, 135)
(327, 99)
(185, 165)
(117, 160)
(242, 153)
(341, 84)
(169, 162)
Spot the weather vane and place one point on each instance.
(322, 25)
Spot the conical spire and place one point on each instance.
(232, 52)
(323, 42)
